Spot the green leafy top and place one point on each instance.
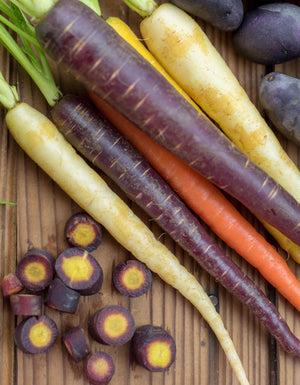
(28, 52)
(38, 8)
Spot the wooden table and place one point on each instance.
(38, 221)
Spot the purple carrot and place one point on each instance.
(74, 35)
(103, 145)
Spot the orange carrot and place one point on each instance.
(211, 205)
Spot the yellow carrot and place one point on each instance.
(126, 32)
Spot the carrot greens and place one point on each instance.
(38, 8)
(30, 55)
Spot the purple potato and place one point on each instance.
(279, 96)
(269, 34)
(225, 15)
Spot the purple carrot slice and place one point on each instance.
(26, 304)
(76, 343)
(11, 284)
(81, 230)
(61, 297)
(36, 335)
(35, 269)
(112, 325)
(132, 278)
(79, 270)
(154, 348)
(100, 368)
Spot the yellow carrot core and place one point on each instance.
(35, 272)
(40, 335)
(115, 325)
(100, 366)
(133, 278)
(159, 354)
(77, 268)
(83, 234)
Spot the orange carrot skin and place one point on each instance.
(211, 205)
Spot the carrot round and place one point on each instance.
(211, 205)
(101, 60)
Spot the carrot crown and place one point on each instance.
(142, 7)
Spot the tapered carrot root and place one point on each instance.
(40, 139)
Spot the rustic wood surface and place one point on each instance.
(38, 220)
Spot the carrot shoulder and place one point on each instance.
(40, 139)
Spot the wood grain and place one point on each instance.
(38, 220)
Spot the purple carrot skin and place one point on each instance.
(101, 143)
(61, 297)
(76, 343)
(106, 64)
(26, 304)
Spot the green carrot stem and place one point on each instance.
(38, 8)
(142, 7)
(32, 60)
(8, 94)
(7, 203)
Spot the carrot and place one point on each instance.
(202, 196)
(41, 140)
(195, 64)
(118, 73)
(210, 204)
